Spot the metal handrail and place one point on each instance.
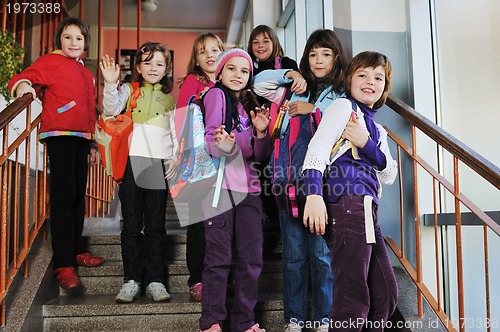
(479, 165)
(24, 197)
(468, 156)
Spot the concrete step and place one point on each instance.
(108, 278)
(109, 246)
(101, 313)
(175, 250)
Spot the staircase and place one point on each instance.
(96, 310)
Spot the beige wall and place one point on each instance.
(179, 42)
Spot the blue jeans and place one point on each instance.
(299, 248)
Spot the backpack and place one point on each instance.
(197, 170)
(296, 191)
(298, 126)
(277, 110)
(112, 136)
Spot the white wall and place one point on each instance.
(468, 66)
(468, 48)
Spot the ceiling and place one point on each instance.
(205, 15)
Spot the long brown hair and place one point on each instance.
(328, 39)
(266, 30)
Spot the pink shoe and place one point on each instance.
(215, 328)
(195, 292)
(255, 328)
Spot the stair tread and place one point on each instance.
(173, 236)
(115, 268)
(96, 305)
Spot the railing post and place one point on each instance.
(458, 230)
(418, 249)
(3, 239)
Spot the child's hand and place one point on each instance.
(223, 140)
(95, 157)
(110, 71)
(315, 216)
(24, 88)
(300, 107)
(355, 133)
(299, 85)
(260, 120)
(170, 168)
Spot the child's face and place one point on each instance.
(367, 85)
(321, 60)
(206, 56)
(262, 47)
(72, 41)
(154, 69)
(235, 74)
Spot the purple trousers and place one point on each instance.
(238, 226)
(365, 291)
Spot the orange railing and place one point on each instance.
(24, 196)
(412, 185)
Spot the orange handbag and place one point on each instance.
(112, 136)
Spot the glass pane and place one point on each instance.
(290, 44)
(314, 15)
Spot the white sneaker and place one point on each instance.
(322, 328)
(157, 291)
(292, 327)
(130, 290)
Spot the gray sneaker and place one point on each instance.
(292, 327)
(322, 328)
(157, 291)
(130, 290)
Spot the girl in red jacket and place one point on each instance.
(67, 127)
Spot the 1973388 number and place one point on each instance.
(33, 8)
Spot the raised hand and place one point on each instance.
(110, 71)
(260, 120)
(223, 140)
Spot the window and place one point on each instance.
(314, 15)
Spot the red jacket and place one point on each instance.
(69, 98)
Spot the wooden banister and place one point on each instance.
(475, 161)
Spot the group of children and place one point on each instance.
(309, 124)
